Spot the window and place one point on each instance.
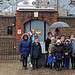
(9, 30)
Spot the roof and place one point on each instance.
(66, 17)
(27, 6)
(38, 9)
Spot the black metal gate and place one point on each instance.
(8, 48)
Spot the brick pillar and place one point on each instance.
(19, 26)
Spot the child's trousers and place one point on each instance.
(58, 64)
(35, 63)
(66, 62)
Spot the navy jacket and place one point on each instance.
(36, 50)
(68, 49)
(24, 47)
(58, 51)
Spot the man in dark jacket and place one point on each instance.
(35, 53)
(47, 42)
(24, 48)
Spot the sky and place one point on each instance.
(65, 5)
(62, 4)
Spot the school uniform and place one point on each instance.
(35, 54)
(51, 57)
(58, 55)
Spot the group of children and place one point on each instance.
(60, 50)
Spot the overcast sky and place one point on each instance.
(62, 4)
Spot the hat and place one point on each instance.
(58, 41)
(67, 40)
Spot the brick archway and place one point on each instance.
(23, 16)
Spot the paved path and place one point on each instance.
(15, 68)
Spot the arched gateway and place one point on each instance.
(37, 18)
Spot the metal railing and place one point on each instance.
(8, 48)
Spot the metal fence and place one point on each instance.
(8, 48)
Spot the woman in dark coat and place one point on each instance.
(35, 53)
(67, 54)
(24, 48)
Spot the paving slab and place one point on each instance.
(15, 68)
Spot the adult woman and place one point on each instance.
(24, 48)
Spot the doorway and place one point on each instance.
(39, 26)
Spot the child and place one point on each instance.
(51, 57)
(35, 52)
(58, 55)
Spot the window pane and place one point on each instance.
(39, 27)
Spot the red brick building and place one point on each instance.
(29, 15)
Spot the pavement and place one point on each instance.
(14, 67)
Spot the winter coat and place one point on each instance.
(24, 47)
(51, 59)
(36, 50)
(58, 51)
(67, 50)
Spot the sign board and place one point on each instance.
(43, 47)
(35, 14)
(19, 31)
